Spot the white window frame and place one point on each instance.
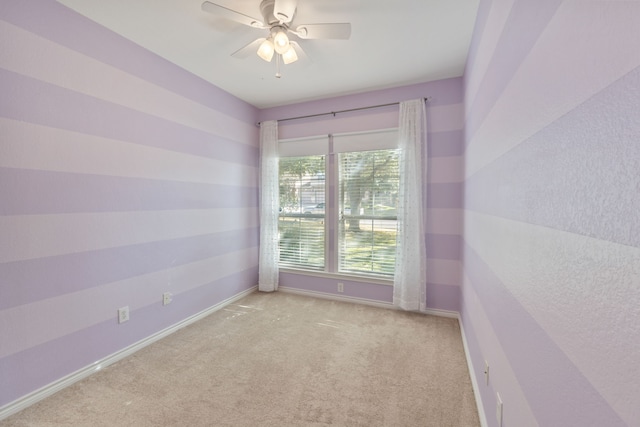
(331, 146)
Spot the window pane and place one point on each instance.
(368, 183)
(302, 212)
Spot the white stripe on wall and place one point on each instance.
(36, 236)
(491, 35)
(545, 86)
(32, 325)
(50, 62)
(532, 261)
(29, 146)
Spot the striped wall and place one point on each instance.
(121, 177)
(445, 111)
(551, 245)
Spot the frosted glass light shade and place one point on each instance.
(289, 56)
(281, 42)
(266, 49)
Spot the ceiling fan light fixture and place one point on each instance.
(289, 56)
(281, 41)
(266, 50)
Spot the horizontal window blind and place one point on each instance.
(368, 182)
(365, 166)
(302, 212)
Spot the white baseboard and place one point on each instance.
(365, 301)
(474, 381)
(48, 390)
(441, 313)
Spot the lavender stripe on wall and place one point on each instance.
(444, 195)
(443, 246)
(39, 192)
(445, 144)
(441, 92)
(31, 280)
(443, 297)
(354, 289)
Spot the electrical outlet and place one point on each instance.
(499, 409)
(167, 298)
(340, 287)
(123, 314)
(486, 372)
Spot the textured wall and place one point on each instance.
(551, 247)
(444, 182)
(121, 177)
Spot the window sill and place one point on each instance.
(339, 276)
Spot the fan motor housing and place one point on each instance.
(266, 8)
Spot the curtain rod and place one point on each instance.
(333, 113)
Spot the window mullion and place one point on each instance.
(331, 214)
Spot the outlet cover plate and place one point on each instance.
(167, 297)
(499, 409)
(123, 314)
(486, 372)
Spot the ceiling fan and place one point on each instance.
(277, 18)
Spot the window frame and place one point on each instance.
(303, 215)
(331, 213)
(362, 217)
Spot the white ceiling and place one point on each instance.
(393, 43)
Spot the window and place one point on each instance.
(368, 183)
(301, 223)
(345, 223)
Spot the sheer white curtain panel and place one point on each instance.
(269, 207)
(410, 277)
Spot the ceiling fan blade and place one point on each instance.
(301, 53)
(324, 31)
(249, 49)
(231, 14)
(284, 10)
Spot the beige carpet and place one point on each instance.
(280, 360)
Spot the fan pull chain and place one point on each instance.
(278, 75)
